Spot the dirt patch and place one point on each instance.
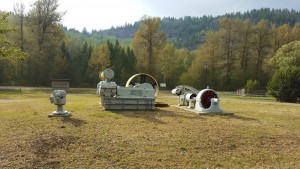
(44, 150)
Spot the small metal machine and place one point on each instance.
(59, 98)
(204, 102)
(134, 96)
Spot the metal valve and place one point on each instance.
(59, 98)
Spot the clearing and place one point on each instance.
(262, 133)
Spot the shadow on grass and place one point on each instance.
(75, 122)
(154, 115)
(242, 118)
(233, 116)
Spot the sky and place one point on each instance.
(103, 14)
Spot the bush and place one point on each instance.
(251, 85)
(285, 84)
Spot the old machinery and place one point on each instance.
(207, 101)
(135, 95)
(204, 102)
(59, 98)
(182, 91)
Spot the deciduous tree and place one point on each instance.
(168, 64)
(100, 60)
(284, 85)
(46, 37)
(147, 43)
(261, 42)
(19, 10)
(10, 56)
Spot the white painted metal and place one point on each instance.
(59, 98)
(137, 96)
(213, 101)
(206, 101)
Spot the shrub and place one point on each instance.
(285, 84)
(251, 85)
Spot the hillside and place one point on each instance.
(237, 47)
(188, 32)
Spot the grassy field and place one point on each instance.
(262, 133)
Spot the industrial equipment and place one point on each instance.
(182, 91)
(59, 98)
(135, 95)
(205, 101)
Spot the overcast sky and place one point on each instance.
(103, 14)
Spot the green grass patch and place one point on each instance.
(262, 133)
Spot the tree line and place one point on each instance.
(226, 57)
(189, 32)
(240, 50)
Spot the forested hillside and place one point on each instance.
(223, 52)
(188, 32)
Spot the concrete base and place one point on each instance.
(130, 103)
(60, 114)
(204, 113)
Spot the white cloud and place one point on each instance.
(102, 14)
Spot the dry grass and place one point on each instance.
(261, 134)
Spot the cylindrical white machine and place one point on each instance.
(207, 101)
